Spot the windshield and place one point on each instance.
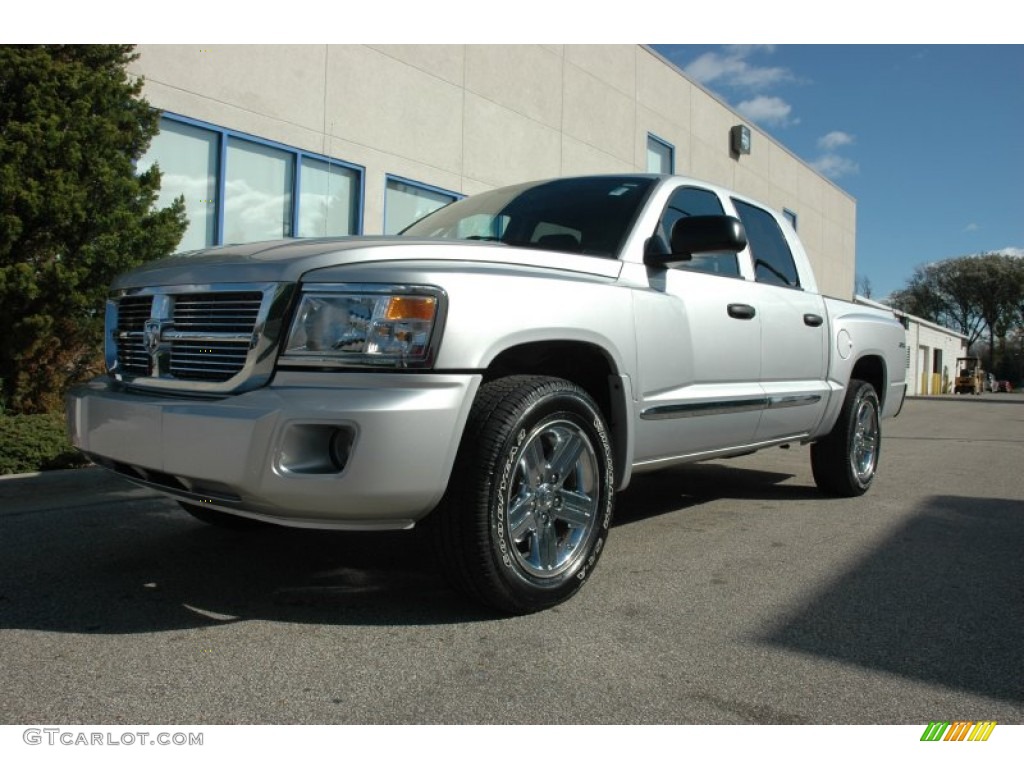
(591, 215)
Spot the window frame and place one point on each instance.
(390, 177)
(239, 145)
(221, 138)
(330, 162)
(774, 218)
(652, 138)
(698, 264)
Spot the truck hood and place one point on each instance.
(286, 261)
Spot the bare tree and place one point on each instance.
(863, 287)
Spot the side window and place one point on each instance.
(692, 201)
(773, 261)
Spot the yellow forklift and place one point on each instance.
(969, 376)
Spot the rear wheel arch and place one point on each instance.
(871, 368)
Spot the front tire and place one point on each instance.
(845, 462)
(530, 499)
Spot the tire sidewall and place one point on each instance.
(865, 393)
(563, 403)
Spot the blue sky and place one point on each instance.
(927, 138)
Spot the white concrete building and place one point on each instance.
(270, 141)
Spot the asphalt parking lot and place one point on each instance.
(730, 592)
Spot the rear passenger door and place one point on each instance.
(794, 331)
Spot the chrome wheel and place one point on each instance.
(531, 497)
(844, 462)
(864, 451)
(553, 498)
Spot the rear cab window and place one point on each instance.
(769, 249)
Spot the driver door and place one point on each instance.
(699, 349)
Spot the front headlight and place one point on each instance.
(353, 325)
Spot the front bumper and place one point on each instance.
(267, 453)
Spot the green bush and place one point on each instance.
(29, 443)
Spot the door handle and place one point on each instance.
(742, 311)
(813, 320)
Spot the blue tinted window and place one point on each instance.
(773, 261)
(590, 215)
(694, 201)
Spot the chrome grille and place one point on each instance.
(211, 319)
(223, 312)
(207, 361)
(210, 339)
(133, 311)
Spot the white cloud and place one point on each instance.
(835, 166)
(747, 50)
(830, 162)
(767, 110)
(731, 68)
(835, 139)
(972, 227)
(1011, 251)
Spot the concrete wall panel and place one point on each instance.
(525, 79)
(749, 182)
(614, 65)
(710, 123)
(783, 172)
(708, 163)
(281, 82)
(660, 89)
(578, 157)
(416, 115)
(504, 147)
(598, 115)
(444, 61)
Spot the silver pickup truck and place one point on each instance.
(496, 372)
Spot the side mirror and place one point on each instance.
(701, 234)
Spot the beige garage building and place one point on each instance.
(932, 351)
(309, 140)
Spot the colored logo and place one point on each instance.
(958, 730)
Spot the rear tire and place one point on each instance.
(530, 499)
(844, 463)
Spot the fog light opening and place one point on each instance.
(315, 449)
(340, 448)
